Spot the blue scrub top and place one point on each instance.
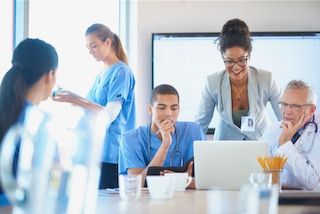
(116, 83)
(3, 200)
(140, 145)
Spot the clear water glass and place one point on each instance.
(261, 179)
(130, 187)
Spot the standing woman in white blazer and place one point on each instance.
(240, 92)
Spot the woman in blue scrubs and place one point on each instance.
(112, 92)
(28, 82)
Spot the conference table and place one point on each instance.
(190, 201)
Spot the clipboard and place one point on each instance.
(155, 170)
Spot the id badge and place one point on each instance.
(248, 123)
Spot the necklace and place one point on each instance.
(238, 92)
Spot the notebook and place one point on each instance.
(226, 165)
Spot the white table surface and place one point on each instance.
(190, 201)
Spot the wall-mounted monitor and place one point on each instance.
(185, 59)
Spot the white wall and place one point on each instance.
(206, 16)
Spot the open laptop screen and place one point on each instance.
(226, 164)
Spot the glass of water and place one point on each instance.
(260, 179)
(258, 199)
(130, 187)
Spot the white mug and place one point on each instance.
(160, 187)
(182, 180)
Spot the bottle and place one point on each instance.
(84, 180)
(51, 179)
(30, 143)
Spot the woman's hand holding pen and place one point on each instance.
(62, 95)
(65, 96)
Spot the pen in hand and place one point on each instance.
(158, 131)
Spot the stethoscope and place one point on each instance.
(301, 145)
(174, 153)
(312, 123)
(305, 128)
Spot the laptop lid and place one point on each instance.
(226, 164)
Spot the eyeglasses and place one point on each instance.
(293, 107)
(241, 62)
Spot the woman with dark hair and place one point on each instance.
(112, 93)
(240, 92)
(28, 82)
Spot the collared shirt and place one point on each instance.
(140, 145)
(116, 83)
(302, 169)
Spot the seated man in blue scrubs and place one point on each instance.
(297, 137)
(165, 142)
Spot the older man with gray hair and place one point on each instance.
(297, 137)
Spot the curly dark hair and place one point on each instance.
(235, 33)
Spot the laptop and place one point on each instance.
(226, 165)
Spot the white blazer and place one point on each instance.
(217, 94)
(302, 169)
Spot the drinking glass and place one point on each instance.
(130, 187)
(260, 179)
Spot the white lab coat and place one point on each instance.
(302, 169)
